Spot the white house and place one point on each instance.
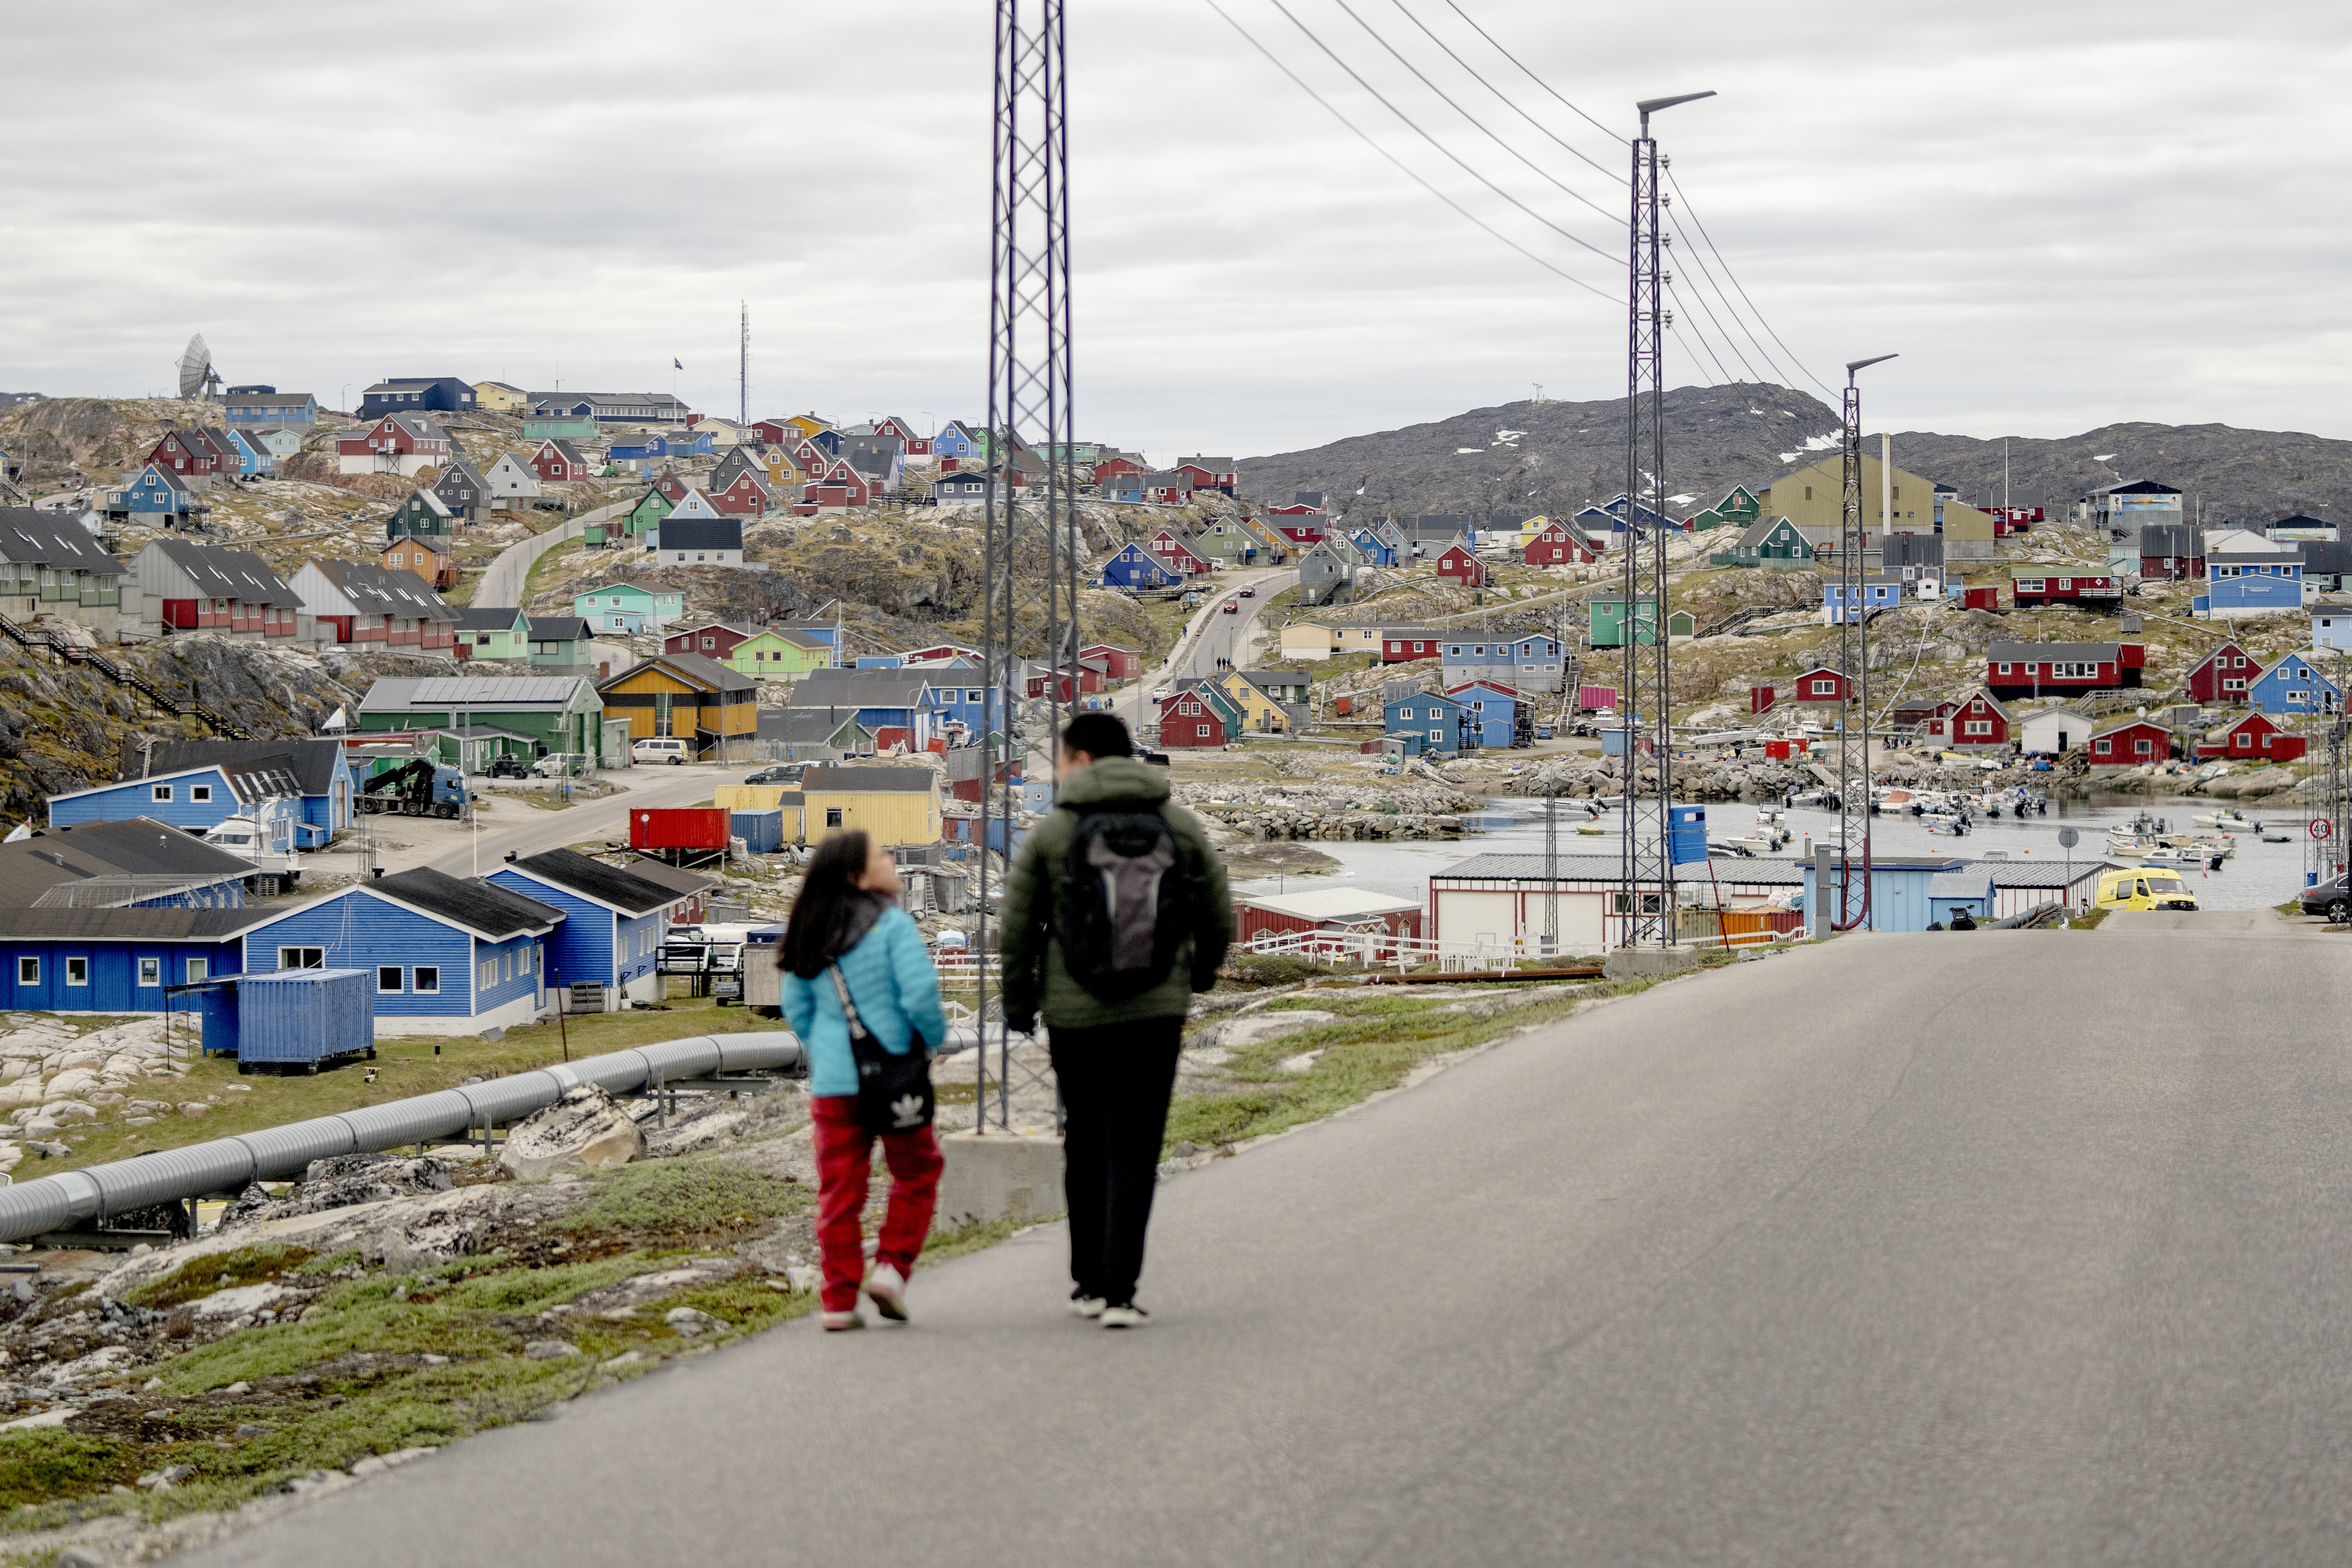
(511, 484)
(2055, 730)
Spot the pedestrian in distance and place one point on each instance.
(859, 990)
(1114, 914)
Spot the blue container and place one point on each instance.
(763, 832)
(1686, 834)
(303, 1016)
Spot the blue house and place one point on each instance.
(268, 405)
(139, 864)
(114, 961)
(1376, 550)
(1489, 713)
(2294, 685)
(1880, 593)
(638, 450)
(156, 491)
(1902, 892)
(1135, 567)
(194, 798)
(979, 708)
(957, 440)
(612, 925)
(320, 766)
(1428, 725)
(253, 455)
(416, 394)
(2249, 582)
(1531, 663)
(451, 955)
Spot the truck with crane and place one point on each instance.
(421, 787)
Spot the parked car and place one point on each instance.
(2332, 898)
(506, 766)
(560, 765)
(782, 773)
(661, 751)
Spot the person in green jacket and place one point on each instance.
(1115, 1059)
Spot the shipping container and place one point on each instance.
(1344, 704)
(1593, 699)
(763, 832)
(1776, 751)
(678, 827)
(1761, 699)
(292, 1017)
(1981, 598)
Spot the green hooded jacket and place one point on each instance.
(1037, 980)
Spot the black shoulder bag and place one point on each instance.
(894, 1092)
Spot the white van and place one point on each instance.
(673, 752)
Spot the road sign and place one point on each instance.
(2068, 837)
(2321, 827)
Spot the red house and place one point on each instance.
(417, 554)
(1980, 724)
(558, 462)
(1463, 568)
(672, 488)
(397, 442)
(2062, 668)
(1186, 720)
(185, 453)
(2224, 675)
(2129, 745)
(836, 486)
(1337, 911)
(1402, 645)
(774, 433)
(1177, 555)
(914, 445)
(1112, 467)
(1818, 686)
(2254, 738)
(744, 496)
(1119, 663)
(1208, 473)
(2090, 593)
(712, 640)
(941, 652)
(1930, 720)
(1561, 545)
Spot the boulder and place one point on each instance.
(340, 1183)
(584, 1130)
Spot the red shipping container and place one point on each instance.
(1759, 701)
(1777, 751)
(1981, 598)
(1593, 699)
(678, 827)
(1345, 702)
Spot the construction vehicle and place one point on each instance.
(419, 788)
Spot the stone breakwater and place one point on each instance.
(1347, 813)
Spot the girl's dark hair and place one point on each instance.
(828, 906)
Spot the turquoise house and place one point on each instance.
(625, 607)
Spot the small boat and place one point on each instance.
(2271, 836)
(2121, 849)
(2227, 817)
(2169, 854)
(1591, 828)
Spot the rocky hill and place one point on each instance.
(1555, 457)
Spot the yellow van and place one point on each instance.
(2148, 887)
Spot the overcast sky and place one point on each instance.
(2061, 216)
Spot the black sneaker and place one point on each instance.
(1127, 1315)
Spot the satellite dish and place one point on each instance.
(198, 379)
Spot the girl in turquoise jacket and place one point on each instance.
(848, 915)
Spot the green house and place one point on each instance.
(556, 712)
(646, 515)
(1608, 613)
(1681, 624)
(1224, 541)
(779, 656)
(1773, 542)
(625, 607)
(493, 632)
(1740, 508)
(421, 515)
(562, 426)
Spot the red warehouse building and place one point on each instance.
(2224, 675)
(2130, 745)
(1119, 663)
(2062, 668)
(2088, 593)
(2255, 738)
(1329, 911)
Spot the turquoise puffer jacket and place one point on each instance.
(898, 996)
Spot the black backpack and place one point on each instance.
(1127, 903)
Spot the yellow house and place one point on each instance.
(1531, 528)
(897, 806)
(498, 397)
(1259, 711)
(696, 700)
(1307, 639)
(806, 424)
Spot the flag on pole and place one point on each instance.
(675, 365)
(335, 720)
(18, 834)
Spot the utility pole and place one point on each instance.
(743, 370)
(1853, 662)
(1030, 570)
(1645, 855)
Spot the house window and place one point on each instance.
(2143, 747)
(1433, 735)
(76, 971)
(161, 792)
(425, 980)
(489, 973)
(2005, 669)
(28, 972)
(151, 972)
(301, 958)
(2103, 747)
(387, 979)
(1203, 731)
(199, 970)
(201, 794)
(1979, 726)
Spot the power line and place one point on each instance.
(1708, 273)
(1677, 331)
(1728, 341)
(1530, 75)
(1540, 172)
(1415, 126)
(1566, 147)
(1402, 167)
(1727, 272)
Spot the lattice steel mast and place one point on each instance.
(1647, 867)
(1029, 611)
(1854, 663)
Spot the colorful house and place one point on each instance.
(1873, 594)
(1530, 663)
(1398, 645)
(156, 491)
(1264, 696)
(1177, 555)
(1489, 713)
(2061, 669)
(2252, 739)
(1198, 716)
(646, 517)
(774, 655)
(613, 926)
(1132, 566)
(558, 462)
(1773, 542)
(1606, 613)
(2101, 592)
(896, 705)
(1980, 724)
(395, 444)
(1307, 639)
(626, 607)
(2251, 582)
(421, 511)
(425, 555)
(1456, 563)
(685, 696)
(1819, 686)
(559, 714)
(1558, 544)
(687, 541)
(2294, 685)
(2222, 676)
(493, 631)
(956, 441)
(1119, 663)
(2131, 744)
(1425, 723)
(366, 606)
(511, 484)
(1373, 549)
(266, 408)
(184, 586)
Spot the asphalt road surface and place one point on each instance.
(1212, 635)
(2006, 1247)
(646, 786)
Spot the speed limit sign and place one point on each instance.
(2321, 827)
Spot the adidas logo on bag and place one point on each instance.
(907, 1110)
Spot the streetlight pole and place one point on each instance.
(1853, 660)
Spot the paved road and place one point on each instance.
(2012, 1247)
(605, 818)
(502, 580)
(1210, 635)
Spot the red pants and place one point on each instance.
(844, 1153)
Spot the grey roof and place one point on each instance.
(809, 726)
(441, 693)
(565, 450)
(129, 925)
(681, 883)
(2041, 652)
(482, 908)
(488, 618)
(141, 847)
(559, 628)
(224, 574)
(2172, 539)
(460, 473)
(2271, 557)
(269, 399)
(880, 780)
(605, 884)
(701, 532)
(52, 539)
(379, 590)
(311, 760)
(858, 689)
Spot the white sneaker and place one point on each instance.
(835, 1322)
(1128, 1317)
(1087, 1306)
(886, 1287)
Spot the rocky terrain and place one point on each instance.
(1554, 456)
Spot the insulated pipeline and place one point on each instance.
(226, 1164)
